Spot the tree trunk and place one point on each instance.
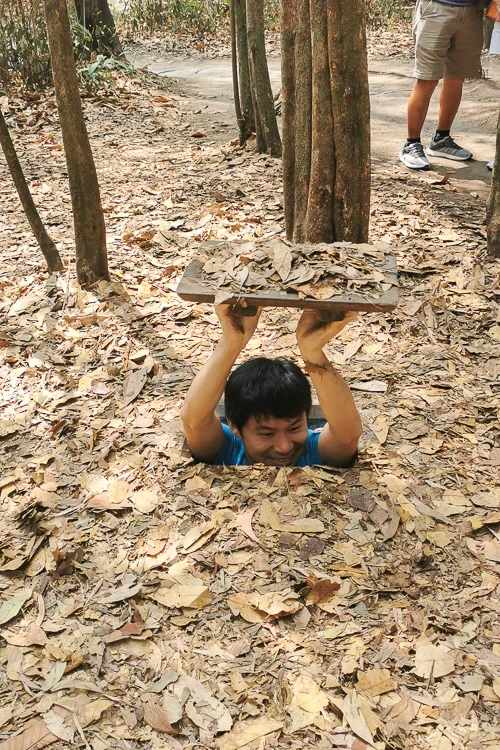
(96, 17)
(47, 245)
(266, 125)
(240, 21)
(326, 121)
(493, 209)
(90, 232)
(236, 88)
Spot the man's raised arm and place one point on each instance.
(339, 438)
(201, 424)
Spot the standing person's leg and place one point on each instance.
(449, 102)
(463, 61)
(418, 106)
(431, 46)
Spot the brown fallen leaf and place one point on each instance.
(155, 716)
(12, 606)
(268, 515)
(320, 589)
(36, 736)
(121, 593)
(262, 607)
(133, 384)
(245, 521)
(375, 681)
(433, 660)
(199, 535)
(355, 718)
(64, 561)
(248, 731)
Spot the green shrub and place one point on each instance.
(385, 13)
(94, 74)
(175, 15)
(203, 16)
(24, 49)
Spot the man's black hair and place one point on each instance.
(263, 387)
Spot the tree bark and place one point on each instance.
(493, 208)
(96, 17)
(90, 231)
(47, 245)
(266, 125)
(236, 88)
(326, 121)
(240, 21)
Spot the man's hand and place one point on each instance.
(237, 329)
(313, 334)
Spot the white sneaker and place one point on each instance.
(413, 156)
(490, 165)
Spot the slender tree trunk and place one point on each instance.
(90, 232)
(326, 125)
(266, 125)
(240, 19)
(493, 209)
(96, 17)
(236, 89)
(47, 245)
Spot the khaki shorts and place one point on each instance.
(448, 40)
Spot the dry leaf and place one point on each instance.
(433, 661)
(13, 606)
(154, 715)
(245, 521)
(375, 681)
(94, 710)
(320, 589)
(269, 516)
(199, 535)
(355, 719)
(121, 593)
(36, 736)
(248, 731)
(145, 501)
(62, 727)
(262, 607)
(133, 384)
(191, 593)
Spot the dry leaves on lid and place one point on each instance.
(319, 271)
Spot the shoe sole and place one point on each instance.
(442, 155)
(425, 167)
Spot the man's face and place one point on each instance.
(272, 441)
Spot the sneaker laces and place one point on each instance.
(415, 148)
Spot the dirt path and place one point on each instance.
(206, 83)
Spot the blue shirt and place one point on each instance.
(232, 452)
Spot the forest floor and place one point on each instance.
(150, 602)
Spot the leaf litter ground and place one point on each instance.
(148, 602)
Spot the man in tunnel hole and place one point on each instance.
(267, 401)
